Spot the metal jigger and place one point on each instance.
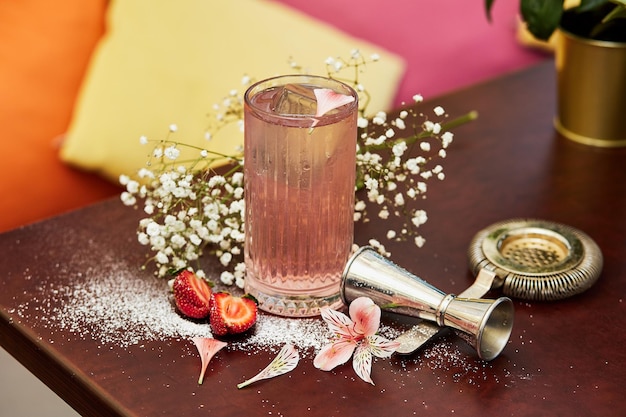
(484, 324)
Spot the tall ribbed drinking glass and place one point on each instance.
(299, 175)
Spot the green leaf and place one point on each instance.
(587, 5)
(488, 5)
(542, 16)
(619, 12)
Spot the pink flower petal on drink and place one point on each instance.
(328, 100)
(366, 316)
(334, 354)
(207, 347)
(286, 360)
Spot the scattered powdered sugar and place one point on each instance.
(118, 308)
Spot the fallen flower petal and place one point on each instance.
(207, 347)
(286, 360)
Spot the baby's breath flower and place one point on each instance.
(171, 152)
(239, 281)
(128, 199)
(399, 123)
(419, 218)
(379, 118)
(145, 173)
(227, 278)
(371, 184)
(399, 148)
(446, 139)
(380, 248)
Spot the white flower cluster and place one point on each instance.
(192, 209)
(189, 211)
(393, 173)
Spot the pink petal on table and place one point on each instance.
(207, 347)
(286, 360)
(328, 100)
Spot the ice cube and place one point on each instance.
(294, 99)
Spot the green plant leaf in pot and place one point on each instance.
(542, 17)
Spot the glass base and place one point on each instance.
(294, 306)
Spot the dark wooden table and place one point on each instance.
(564, 358)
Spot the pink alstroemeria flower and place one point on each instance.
(328, 100)
(355, 334)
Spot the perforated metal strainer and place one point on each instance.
(536, 259)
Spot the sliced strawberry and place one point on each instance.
(192, 295)
(230, 314)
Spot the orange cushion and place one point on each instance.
(44, 50)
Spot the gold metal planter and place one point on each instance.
(591, 77)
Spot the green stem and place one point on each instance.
(447, 126)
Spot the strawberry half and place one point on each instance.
(230, 314)
(192, 295)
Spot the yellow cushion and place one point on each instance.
(168, 62)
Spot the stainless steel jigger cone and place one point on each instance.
(485, 324)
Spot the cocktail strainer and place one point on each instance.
(526, 259)
(536, 259)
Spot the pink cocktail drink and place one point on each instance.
(299, 190)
